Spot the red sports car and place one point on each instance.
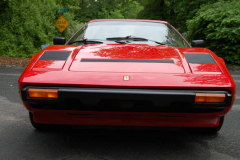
(115, 72)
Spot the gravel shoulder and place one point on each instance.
(13, 61)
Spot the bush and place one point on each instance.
(27, 24)
(219, 25)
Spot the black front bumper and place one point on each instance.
(130, 100)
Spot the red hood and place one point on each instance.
(179, 74)
(128, 58)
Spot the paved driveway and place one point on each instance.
(18, 140)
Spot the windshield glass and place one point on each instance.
(159, 32)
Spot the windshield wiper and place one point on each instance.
(86, 41)
(128, 38)
(133, 38)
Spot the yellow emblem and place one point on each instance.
(126, 78)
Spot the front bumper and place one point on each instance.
(127, 100)
(126, 107)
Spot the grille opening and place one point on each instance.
(122, 105)
(71, 104)
(125, 104)
(181, 106)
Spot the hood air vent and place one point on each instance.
(128, 60)
(202, 63)
(55, 55)
(199, 58)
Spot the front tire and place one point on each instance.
(38, 126)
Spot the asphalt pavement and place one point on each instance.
(19, 140)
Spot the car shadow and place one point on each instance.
(165, 143)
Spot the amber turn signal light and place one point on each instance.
(209, 98)
(42, 93)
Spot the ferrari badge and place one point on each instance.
(126, 78)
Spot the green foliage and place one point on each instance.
(174, 11)
(101, 9)
(130, 9)
(27, 24)
(219, 25)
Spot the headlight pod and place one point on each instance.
(42, 93)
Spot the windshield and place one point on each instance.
(152, 31)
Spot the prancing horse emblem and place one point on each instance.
(126, 78)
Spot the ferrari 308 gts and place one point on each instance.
(135, 73)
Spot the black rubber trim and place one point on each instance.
(128, 60)
(55, 55)
(87, 94)
(199, 58)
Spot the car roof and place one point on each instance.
(139, 20)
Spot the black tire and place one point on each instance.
(38, 126)
(208, 130)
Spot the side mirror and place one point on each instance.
(59, 40)
(198, 43)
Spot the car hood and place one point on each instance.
(127, 58)
(146, 66)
